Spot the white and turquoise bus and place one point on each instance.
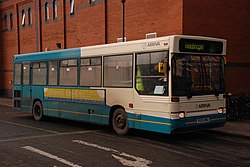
(169, 84)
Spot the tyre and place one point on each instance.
(120, 121)
(37, 111)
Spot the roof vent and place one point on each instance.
(120, 39)
(46, 49)
(151, 35)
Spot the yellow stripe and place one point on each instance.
(188, 123)
(72, 112)
(80, 113)
(153, 122)
(105, 116)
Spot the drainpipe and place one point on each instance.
(106, 20)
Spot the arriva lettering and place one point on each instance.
(205, 105)
(150, 44)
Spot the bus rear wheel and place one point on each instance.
(120, 121)
(37, 111)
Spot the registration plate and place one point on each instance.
(202, 120)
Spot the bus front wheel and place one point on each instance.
(37, 111)
(120, 121)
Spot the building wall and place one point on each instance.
(224, 19)
(101, 22)
(91, 24)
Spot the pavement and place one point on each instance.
(234, 128)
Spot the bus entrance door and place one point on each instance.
(26, 88)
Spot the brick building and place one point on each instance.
(39, 25)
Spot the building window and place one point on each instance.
(46, 11)
(29, 16)
(23, 18)
(5, 22)
(11, 21)
(91, 1)
(54, 9)
(72, 6)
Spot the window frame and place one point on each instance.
(46, 73)
(26, 63)
(20, 77)
(55, 9)
(90, 64)
(23, 18)
(5, 22)
(155, 76)
(46, 11)
(58, 72)
(72, 7)
(77, 71)
(29, 16)
(11, 21)
(92, 2)
(132, 74)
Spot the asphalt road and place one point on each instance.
(57, 143)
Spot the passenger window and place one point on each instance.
(17, 75)
(149, 79)
(53, 70)
(118, 71)
(39, 71)
(26, 74)
(91, 72)
(68, 72)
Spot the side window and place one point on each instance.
(26, 74)
(68, 72)
(91, 72)
(149, 80)
(53, 72)
(118, 71)
(39, 71)
(17, 75)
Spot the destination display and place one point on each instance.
(200, 46)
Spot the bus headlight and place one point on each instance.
(221, 110)
(182, 114)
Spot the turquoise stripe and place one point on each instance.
(57, 54)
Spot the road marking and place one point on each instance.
(31, 127)
(121, 157)
(48, 155)
(50, 135)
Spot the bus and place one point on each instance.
(171, 84)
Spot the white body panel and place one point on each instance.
(160, 106)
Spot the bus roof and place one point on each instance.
(144, 45)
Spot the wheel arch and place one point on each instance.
(112, 110)
(34, 101)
